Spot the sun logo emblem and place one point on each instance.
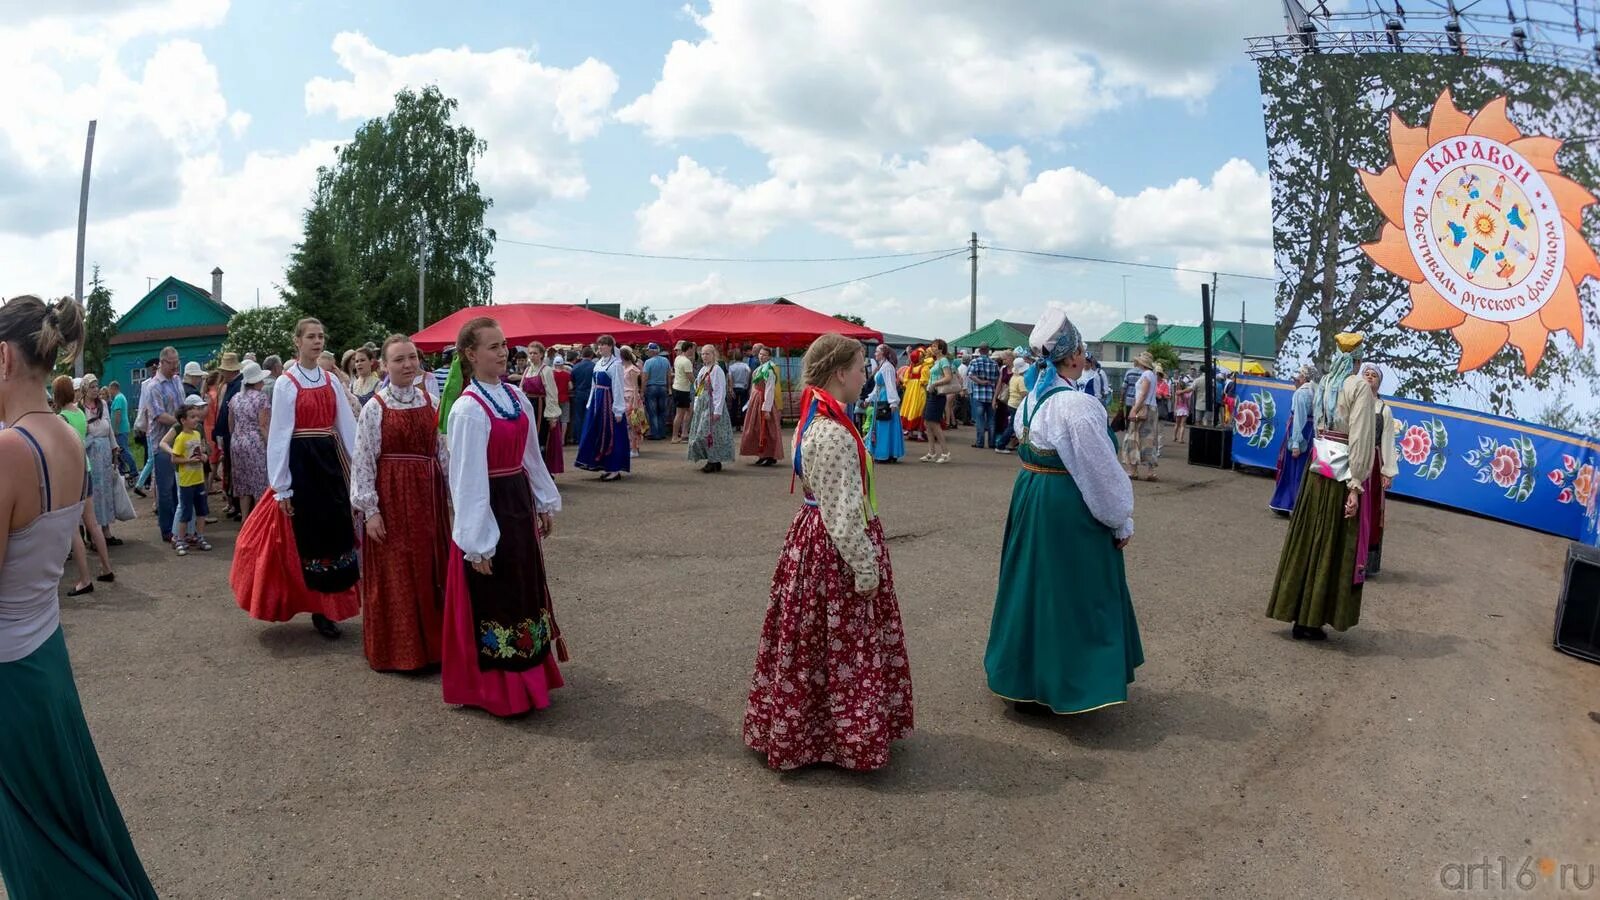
(1486, 229)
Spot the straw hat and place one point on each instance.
(1146, 360)
(230, 362)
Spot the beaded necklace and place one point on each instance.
(510, 415)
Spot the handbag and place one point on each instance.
(1330, 458)
(884, 411)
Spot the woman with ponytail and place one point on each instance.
(297, 551)
(1063, 638)
(831, 683)
(61, 834)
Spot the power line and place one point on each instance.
(726, 259)
(1123, 262)
(822, 287)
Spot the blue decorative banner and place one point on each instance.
(1513, 471)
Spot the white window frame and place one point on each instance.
(172, 302)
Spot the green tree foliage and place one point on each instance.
(852, 319)
(1165, 354)
(408, 173)
(267, 331)
(99, 323)
(1326, 117)
(640, 316)
(322, 283)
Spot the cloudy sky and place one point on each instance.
(726, 128)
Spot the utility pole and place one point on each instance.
(972, 318)
(1124, 298)
(422, 278)
(83, 225)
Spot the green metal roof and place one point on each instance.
(1260, 338)
(996, 334)
(1183, 337)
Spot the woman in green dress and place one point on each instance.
(61, 834)
(1318, 581)
(1064, 638)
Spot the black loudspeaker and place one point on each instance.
(1578, 613)
(1211, 445)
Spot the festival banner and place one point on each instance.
(1501, 468)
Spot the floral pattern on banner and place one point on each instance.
(1576, 482)
(1510, 465)
(1423, 445)
(1253, 419)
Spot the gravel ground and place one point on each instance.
(255, 760)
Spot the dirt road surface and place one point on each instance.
(257, 760)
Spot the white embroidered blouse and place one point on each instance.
(717, 382)
(883, 387)
(280, 431)
(612, 366)
(1073, 426)
(369, 443)
(831, 470)
(475, 530)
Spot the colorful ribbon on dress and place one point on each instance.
(813, 401)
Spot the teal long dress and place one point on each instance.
(1063, 633)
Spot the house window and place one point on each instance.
(1122, 353)
(172, 302)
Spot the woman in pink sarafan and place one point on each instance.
(831, 683)
(501, 641)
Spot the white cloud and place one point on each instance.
(532, 116)
(888, 75)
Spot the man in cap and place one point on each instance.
(193, 377)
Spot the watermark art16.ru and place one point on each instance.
(1508, 873)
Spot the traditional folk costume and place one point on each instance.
(633, 399)
(831, 683)
(711, 442)
(914, 399)
(1375, 500)
(305, 563)
(1320, 573)
(543, 392)
(1063, 636)
(501, 641)
(61, 833)
(604, 447)
(887, 439)
(763, 423)
(399, 470)
(1292, 467)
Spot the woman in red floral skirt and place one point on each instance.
(831, 683)
(399, 470)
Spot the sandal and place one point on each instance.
(183, 549)
(200, 544)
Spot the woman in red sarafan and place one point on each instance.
(501, 640)
(831, 683)
(399, 467)
(297, 551)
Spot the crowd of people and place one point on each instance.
(316, 455)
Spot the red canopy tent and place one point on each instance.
(778, 325)
(551, 323)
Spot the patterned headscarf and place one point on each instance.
(1054, 339)
(1339, 368)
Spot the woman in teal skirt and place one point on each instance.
(1063, 638)
(61, 834)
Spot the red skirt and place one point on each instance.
(831, 683)
(266, 577)
(496, 691)
(403, 576)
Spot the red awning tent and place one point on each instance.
(550, 323)
(777, 325)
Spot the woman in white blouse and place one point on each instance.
(710, 432)
(501, 641)
(885, 435)
(403, 568)
(310, 439)
(1063, 638)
